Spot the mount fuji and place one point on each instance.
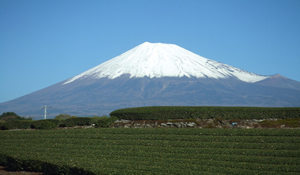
(164, 60)
(157, 74)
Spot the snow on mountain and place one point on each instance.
(165, 60)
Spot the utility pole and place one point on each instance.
(45, 107)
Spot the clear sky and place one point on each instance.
(45, 42)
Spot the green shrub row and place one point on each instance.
(153, 151)
(45, 124)
(15, 164)
(15, 125)
(54, 123)
(79, 121)
(105, 122)
(204, 112)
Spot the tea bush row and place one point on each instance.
(156, 151)
(204, 112)
(15, 164)
(54, 123)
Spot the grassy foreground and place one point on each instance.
(155, 151)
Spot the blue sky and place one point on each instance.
(45, 42)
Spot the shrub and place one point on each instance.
(1, 125)
(291, 123)
(62, 117)
(79, 121)
(3, 160)
(6, 114)
(11, 116)
(46, 124)
(16, 125)
(105, 122)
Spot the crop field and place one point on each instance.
(204, 112)
(153, 151)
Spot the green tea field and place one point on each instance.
(153, 151)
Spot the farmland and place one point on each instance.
(204, 112)
(153, 151)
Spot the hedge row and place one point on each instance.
(204, 112)
(16, 125)
(53, 123)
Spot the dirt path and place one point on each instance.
(4, 171)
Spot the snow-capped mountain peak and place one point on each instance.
(165, 60)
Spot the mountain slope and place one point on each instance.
(280, 81)
(106, 95)
(165, 60)
(157, 75)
